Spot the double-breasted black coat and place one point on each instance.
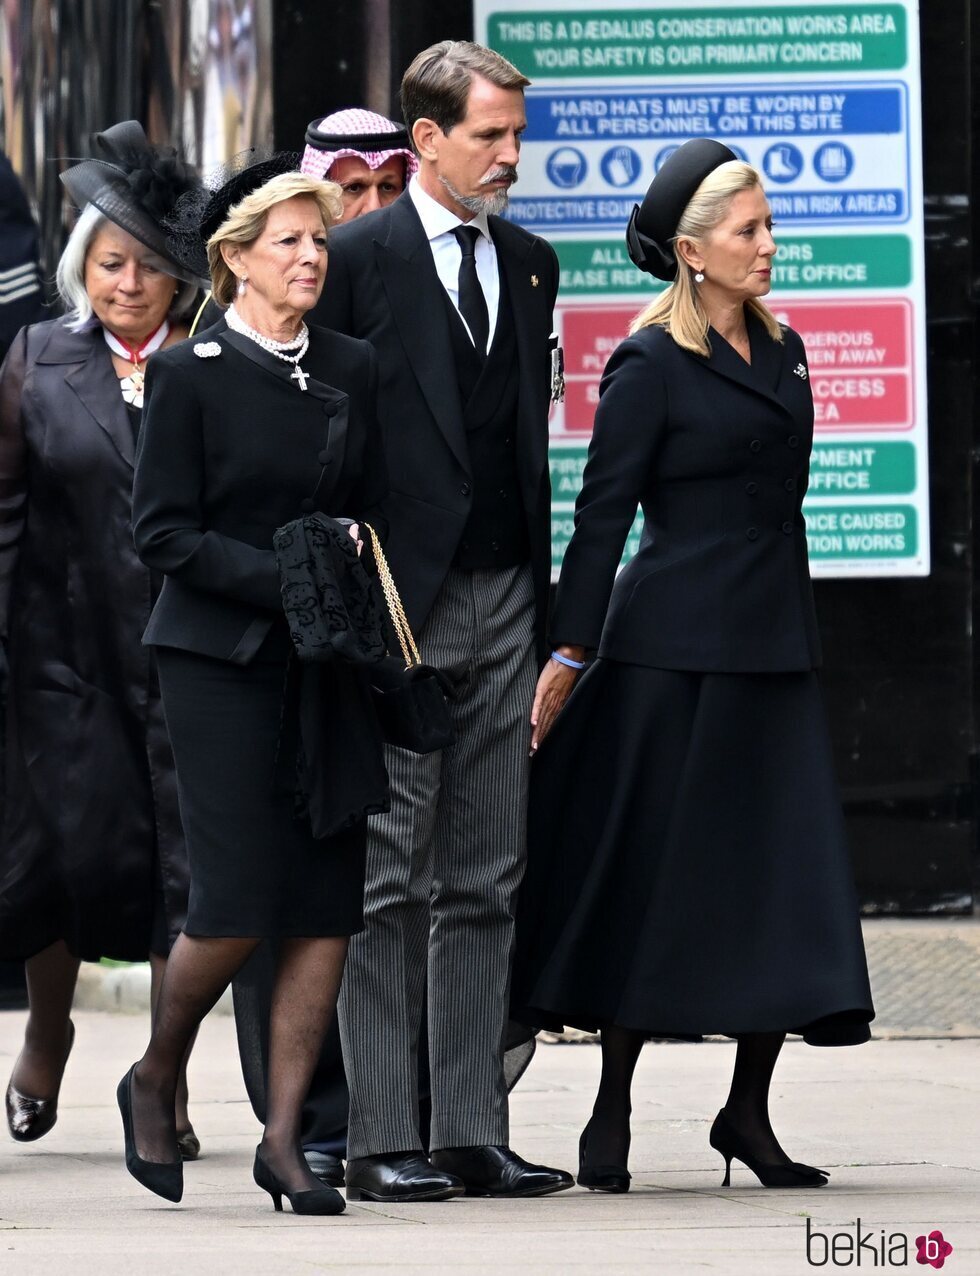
(90, 791)
(716, 454)
(688, 869)
(382, 286)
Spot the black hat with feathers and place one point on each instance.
(135, 185)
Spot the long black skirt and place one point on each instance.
(256, 870)
(688, 871)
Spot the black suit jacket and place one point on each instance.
(716, 452)
(382, 285)
(231, 449)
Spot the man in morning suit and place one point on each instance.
(458, 304)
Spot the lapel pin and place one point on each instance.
(800, 371)
(534, 281)
(207, 349)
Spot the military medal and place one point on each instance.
(132, 385)
(557, 371)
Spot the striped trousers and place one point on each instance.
(443, 868)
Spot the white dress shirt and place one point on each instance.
(438, 223)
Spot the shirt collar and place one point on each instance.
(436, 219)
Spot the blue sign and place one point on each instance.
(782, 162)
(567, 167)
(621, 166)
(837, 151)
(662, 157)
(833, 161)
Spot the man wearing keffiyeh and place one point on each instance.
(367, 155)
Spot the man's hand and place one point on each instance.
(554, 687)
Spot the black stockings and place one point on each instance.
(747, 1106)
(303, 999)
(609, 1127)
(51, 976)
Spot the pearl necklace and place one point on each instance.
(280, 349)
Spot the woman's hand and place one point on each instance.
(355, 531)
(554, 687)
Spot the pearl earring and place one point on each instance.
(244, 280)
(699, 277)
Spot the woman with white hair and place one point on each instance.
(92, 858)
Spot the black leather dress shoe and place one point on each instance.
(497, 1171)
(328, 1168)
(399, 1176)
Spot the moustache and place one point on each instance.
(505, 172)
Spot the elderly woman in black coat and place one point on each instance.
(255, 423)
(92, 859)
(688, 871)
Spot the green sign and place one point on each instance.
(841, 262)
(842, 468)
(597, 267)
(861, 531)
(648, 41)
(567, 464)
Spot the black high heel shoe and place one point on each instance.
(726, 1140)
(317, 1200)
(28, 1118)
(600, 1178)
(166, 1178)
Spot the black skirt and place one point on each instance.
(256, 869)
(688, 871)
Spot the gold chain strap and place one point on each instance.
(396, 610)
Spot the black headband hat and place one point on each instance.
(135, 185)
(200, 213)
(653, 224)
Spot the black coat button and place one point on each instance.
(752, 533)
(788, 528)
(465, 489)
(790, 485)
(323, 457)
(793, 441)
(755, 446)
(306, 505)
(495, 545)
(752, 488)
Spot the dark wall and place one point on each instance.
(900, 661)
(324, 53)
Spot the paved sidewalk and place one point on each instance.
(896, 1122)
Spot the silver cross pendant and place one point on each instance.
(300, 376)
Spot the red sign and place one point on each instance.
(860, 357)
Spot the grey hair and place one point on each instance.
(70, 275)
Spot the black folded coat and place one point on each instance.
(334, 620)
(331, 606)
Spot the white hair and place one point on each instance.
(70, 275)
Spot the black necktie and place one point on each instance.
(472, 302)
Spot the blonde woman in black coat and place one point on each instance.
(688, 871)
(249, 426)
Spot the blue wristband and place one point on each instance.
(564, 660)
